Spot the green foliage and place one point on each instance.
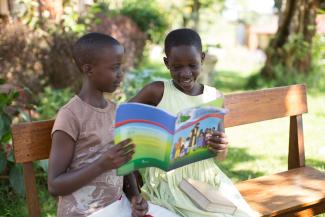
(16, 179)
(6, 160)
(6, 100)
(285, 73)
(3, 161)
(143, 75)
(51, 101)
(148, 16)
(297, 47)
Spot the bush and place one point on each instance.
(7, 165)
(21, 52)
(143, 75)
(51, 100)
(130, 36)
(35, 58)
(141, 21)
(150, 19)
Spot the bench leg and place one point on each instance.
(296, 157)
(31, 192)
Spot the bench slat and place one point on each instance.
(284, 192)
(261, 105)
(32, 140)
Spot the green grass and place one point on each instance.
(12, 205)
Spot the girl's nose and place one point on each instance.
(119, 74)
(186, 71)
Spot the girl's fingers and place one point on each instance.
(217, 146)
(123, 159)
(220, 140)
(125, 150)
(125, 142)
(140, 203)
(139, 208)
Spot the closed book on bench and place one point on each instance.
(206, 197)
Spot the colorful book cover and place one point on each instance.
(164, 140)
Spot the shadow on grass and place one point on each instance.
(235, 157)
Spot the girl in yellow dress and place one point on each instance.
(184, 57)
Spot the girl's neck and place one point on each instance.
(92, 96)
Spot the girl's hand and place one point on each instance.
(117, 155)
(139, 206)
(217, 141)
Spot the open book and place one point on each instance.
(164, 140)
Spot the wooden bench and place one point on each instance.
(300, 191)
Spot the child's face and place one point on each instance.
(105, 73)
(184, 63)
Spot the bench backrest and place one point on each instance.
(32, 141)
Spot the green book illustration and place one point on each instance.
(164, 140)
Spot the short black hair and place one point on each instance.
(87, 49)
(182, 36)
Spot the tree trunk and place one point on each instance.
(4, 12)
(291, 46)
(192, 19)
(196, 14)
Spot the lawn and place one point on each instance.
(255, 149)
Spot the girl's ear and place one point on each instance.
(166, 62)
(202, 57)
(86, 68)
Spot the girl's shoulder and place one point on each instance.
(157, 85)
(150, 94)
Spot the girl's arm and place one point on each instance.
(150, 94)
(223, 154)
(64, 182)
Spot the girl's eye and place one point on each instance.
(193, 66)
(116, 67)
(177, 67)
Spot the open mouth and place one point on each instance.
(117, 83)
(186, 82)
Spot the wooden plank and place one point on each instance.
(296, 156)
(32, 140)
(31, 192)
(285, 192)
(261, 105)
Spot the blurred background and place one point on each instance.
(249, 45)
